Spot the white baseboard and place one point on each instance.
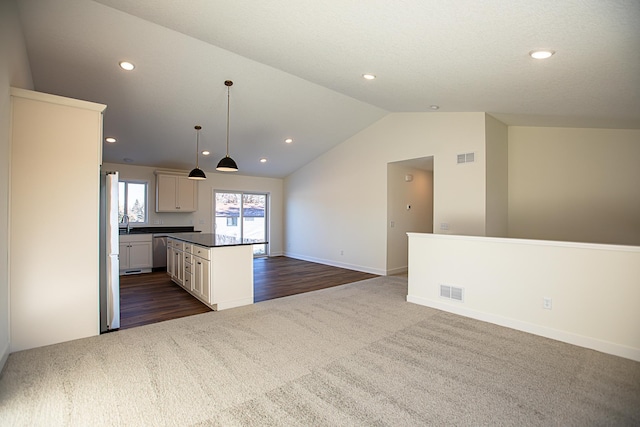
(337, 264)
(233, 303)
(4, 355)
(399, 270)
(555, 334)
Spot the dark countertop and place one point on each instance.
(160, 229)
(210, 240)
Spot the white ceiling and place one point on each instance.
(297, 67)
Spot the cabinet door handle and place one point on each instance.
(199, 263)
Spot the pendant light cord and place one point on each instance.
(197, 145)
(228, 110)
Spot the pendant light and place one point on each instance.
(197, 173)
(227, 164)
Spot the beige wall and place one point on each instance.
(202, 219)
(14, 71)
(594, 289)
(497, 167)
(336, 206)
(574, 184)
(418, 193)
(54, 210)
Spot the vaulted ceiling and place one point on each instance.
(297, 69)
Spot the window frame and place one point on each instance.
(124, 197)
(241, 217)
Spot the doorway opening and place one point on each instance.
(409, 207)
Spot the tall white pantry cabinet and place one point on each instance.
(56, 152)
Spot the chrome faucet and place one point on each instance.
(125, 220)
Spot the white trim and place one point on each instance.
(173, 172)
(337, 264)
(510, 241)
(224, 305)
(4, 355)
(55, 99)
(398, 270)
(570, 338)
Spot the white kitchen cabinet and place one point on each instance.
(201, 283)
(220, 276)
(171, 259)
(136, 253)
(188, 271)
(175, 261)
(176, 193)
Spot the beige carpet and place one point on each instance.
(357, 354)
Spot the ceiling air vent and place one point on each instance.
(452, 292)
(466, 158)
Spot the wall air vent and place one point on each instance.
(452, 292)
(466, 158)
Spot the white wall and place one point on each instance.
(594, 288)
(338, 203)
(497, 168)
(202, 219)
(14, 71)
(418, 193)
(574, 184)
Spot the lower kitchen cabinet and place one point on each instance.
(136, 253)
(201, 278)
(175, 261)
(220, 277)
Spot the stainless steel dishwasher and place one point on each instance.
(159, 252)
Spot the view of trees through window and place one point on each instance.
(132, 199)
(242, 216)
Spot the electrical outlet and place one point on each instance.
(444, 226)
(393, 224)
(546, 303)
(341, 252)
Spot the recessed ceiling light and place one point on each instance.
(369, 76)
(263, 160)
(288, 140)
(110, 140)
(205, 153)
(434, 107)
(125, 65)
(541, 53)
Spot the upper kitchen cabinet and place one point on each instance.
(56, 150)
(176, 193)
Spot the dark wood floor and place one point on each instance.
(153, 297)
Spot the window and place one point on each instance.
(250, 209)
(132, 199)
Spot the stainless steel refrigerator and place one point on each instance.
(109, 248)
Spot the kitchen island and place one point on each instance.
(216, 269)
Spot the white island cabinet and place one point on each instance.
(220, 274)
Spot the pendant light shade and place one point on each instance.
(197, 173)
(227, 164)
